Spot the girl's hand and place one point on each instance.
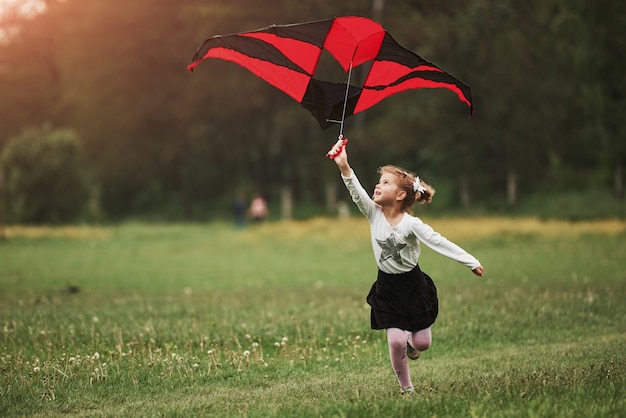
(479, 271)
(337, 148)
(341, 159)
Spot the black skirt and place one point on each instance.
(407, 301)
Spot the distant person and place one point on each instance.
(403, 299)
(258, 209)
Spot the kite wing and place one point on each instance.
(286, 56)
(397, 69)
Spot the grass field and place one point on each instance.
(270, 321)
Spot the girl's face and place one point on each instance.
(387, 190)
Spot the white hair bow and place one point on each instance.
(417, 186)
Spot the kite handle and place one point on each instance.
(337, 148)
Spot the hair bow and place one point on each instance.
(417, 186)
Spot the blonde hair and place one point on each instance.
(405, 180)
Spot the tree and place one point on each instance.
(45, 177)
(545, 74)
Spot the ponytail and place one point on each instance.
(423, 192)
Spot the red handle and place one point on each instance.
(336, 149)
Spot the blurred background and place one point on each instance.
(101, 122)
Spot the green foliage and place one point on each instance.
(546, 77)
(575, 206)
(209, 320)
(45, 177)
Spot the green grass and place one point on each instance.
(208, 320)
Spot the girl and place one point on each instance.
(403, 298)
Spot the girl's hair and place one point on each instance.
(405, 182)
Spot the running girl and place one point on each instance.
(403, 299)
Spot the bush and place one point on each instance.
(45, 177)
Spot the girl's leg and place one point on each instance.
(421, 340)
(397, 338)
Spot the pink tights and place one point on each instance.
(397, 339)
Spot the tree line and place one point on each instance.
(546, 78)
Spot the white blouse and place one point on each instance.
(397, 249)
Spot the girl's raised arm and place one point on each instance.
(341, 158)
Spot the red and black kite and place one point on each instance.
(286, 56)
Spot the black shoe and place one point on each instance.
(411, 352)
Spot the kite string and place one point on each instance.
(345, 102)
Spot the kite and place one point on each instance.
(287, 56)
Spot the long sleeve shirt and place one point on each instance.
(397, 248)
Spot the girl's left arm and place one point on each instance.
(443, 246)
